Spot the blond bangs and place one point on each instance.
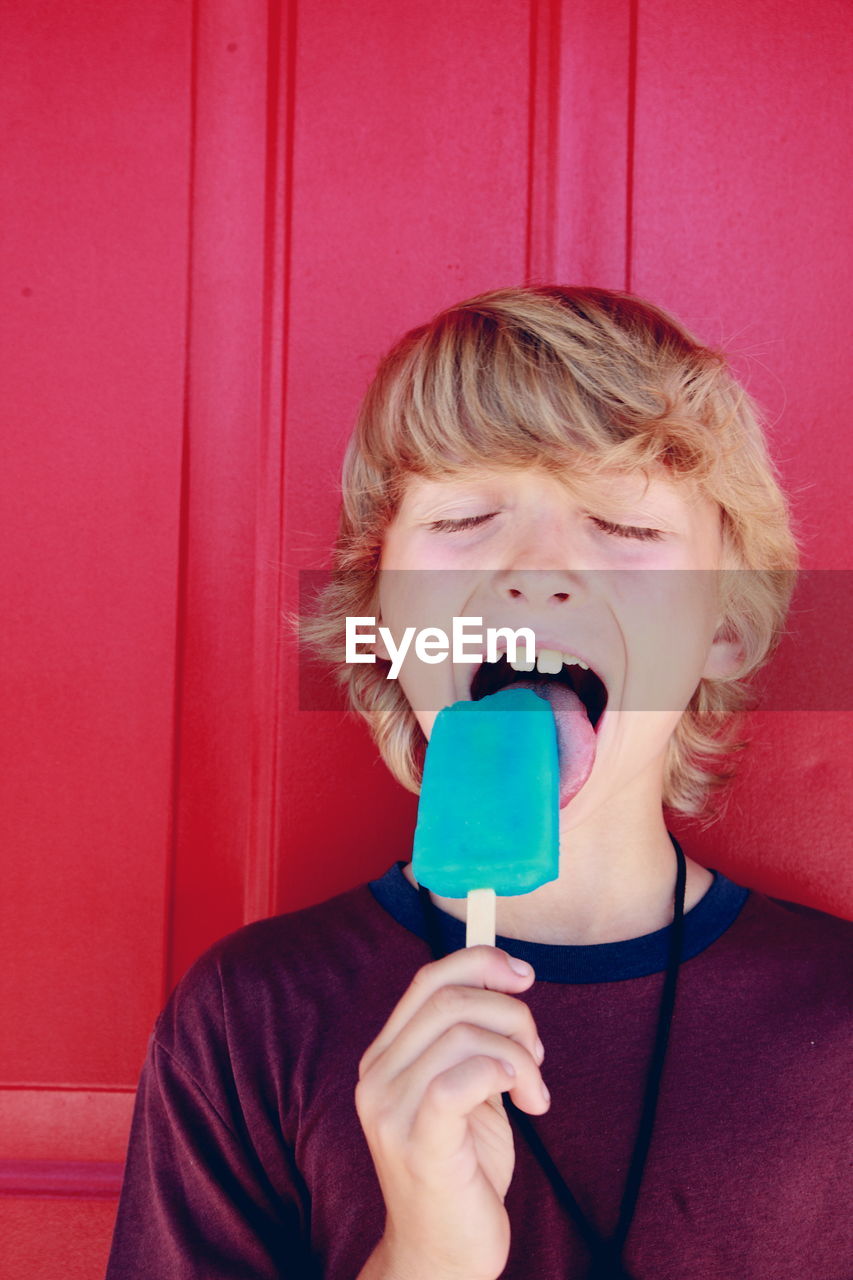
(530, 386)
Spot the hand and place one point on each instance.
(428, 1099)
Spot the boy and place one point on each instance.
(571, 461)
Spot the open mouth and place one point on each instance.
(577, 697)
(491, 677)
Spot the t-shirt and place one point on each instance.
(247, 1158)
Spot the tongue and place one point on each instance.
(576, 740)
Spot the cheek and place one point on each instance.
(637, 742)
(399, 596)
(668, 632)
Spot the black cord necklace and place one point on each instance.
(606, 1254)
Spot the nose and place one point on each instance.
(536, 587)
(542, 568)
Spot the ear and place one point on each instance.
(725, 656)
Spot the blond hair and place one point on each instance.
(548, 377)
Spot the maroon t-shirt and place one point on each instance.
(247, 1159)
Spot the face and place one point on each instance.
(621, 572)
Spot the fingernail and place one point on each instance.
(539, 1051)
(545, 1094)
(520, 966)
(508, 1067)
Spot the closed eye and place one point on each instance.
(627, 530)
(607, 526)
(466, 522)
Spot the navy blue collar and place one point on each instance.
(598, 962)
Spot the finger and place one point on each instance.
(414, 1086)
(491, 1010)
(440, 1126)
(481, 966)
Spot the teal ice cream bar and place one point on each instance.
(488, 816)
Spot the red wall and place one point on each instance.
(96, 147)
(218, 217)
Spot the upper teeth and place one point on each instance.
(549, 662)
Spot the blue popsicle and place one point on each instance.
(488, 816)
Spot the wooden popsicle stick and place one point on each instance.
(480, 918)
(480, 928)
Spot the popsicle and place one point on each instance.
(488, 816)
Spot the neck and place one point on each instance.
(616, 882)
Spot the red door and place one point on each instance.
(218, 217)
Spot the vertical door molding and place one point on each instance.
(594, 183)
(226, 712)
(544, 147)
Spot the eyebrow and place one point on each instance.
(444, 490)
(642, 509)
(652, 502)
